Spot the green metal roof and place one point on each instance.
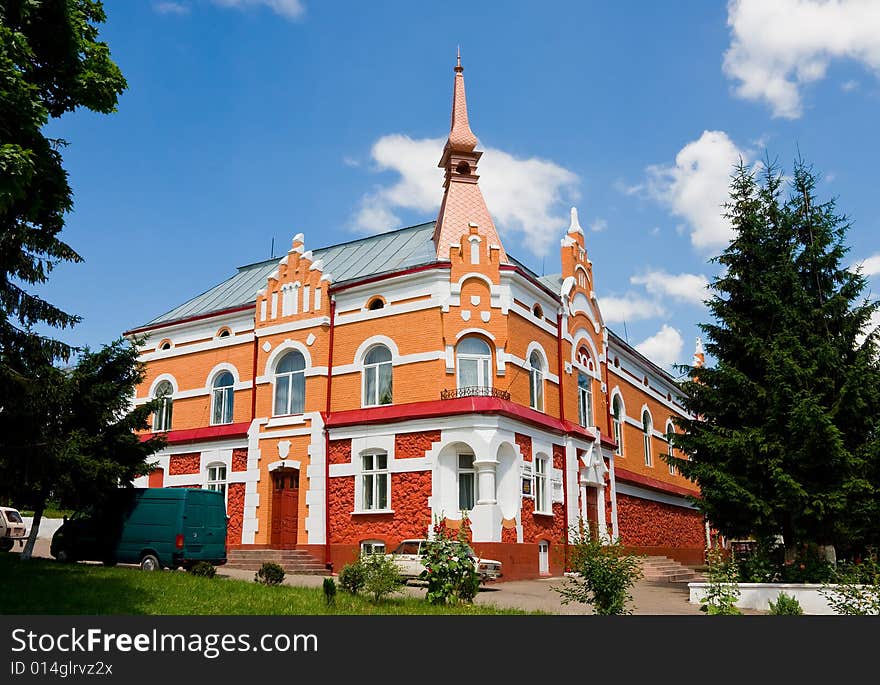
(377, 254)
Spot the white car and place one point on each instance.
(409, 557)
(12, 528)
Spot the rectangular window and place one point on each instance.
(466, 482)
(649, 460)
(370, 547)
(585, 401)
(618, 437)
(541, 503)
(375, 481)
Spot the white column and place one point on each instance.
(600, 512)
(486, 481)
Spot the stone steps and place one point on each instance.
(293, 561)
(665, 570)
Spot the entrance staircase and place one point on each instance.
(293, 561)
(666, 570)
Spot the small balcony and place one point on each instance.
(474, 391)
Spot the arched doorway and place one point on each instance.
(285, 505)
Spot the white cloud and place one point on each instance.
(871, 266)
(695, 187)
(291, 9)
(690, 288)
(664, 348)
(168, 7)
(630, 307)
(526, 196)
(873, 324)
(351, 162)
(599, 225)
(777, 47)
(849, 86)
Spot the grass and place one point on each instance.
(41, 586)
(51, 512)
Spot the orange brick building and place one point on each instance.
(345, 397)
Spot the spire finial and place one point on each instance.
(461, 138)
(575, 226)
(458, 67)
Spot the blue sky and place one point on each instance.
(248, 120)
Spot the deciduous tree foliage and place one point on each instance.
(784, 438)
(51, 62)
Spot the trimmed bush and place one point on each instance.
(329, 591)
(352, 577)
(382, 577)
(270, 574)
(786, 605)
(203, 568)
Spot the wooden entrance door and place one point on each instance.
(285, 500)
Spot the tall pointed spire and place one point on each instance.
(463, 206)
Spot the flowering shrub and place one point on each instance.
(856, 591)
(450, 570)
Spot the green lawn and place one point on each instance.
(40, 586)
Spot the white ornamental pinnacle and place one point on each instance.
(307, 255)
(317, 265)
(299, 238)
(575, 226)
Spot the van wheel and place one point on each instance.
(149, 562)
(64, 557)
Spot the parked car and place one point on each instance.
(12, 528)
(409, 557)
(153, 527)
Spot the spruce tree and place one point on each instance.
(783, 439)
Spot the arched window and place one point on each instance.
(670, 445)
(216, 478)
(377, 376)
(617, 414)
(536, 381)
(474, 361)
(585, 399)
(224, 333)
(290, 384)
(162, 415)
(376, 303)
(222, 399)
(647, 429)
(538, 311)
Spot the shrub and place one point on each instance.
(761, 563)
(329, 591)
(352, 577)
(786, 605)
(269, 574)
(450, 569)
(808, 566)
(605, 573)
(856, 591)
(722, 586)
(381, 576)
(203, 568)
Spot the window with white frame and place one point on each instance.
(290, 384)
(670, 446)
(647, 429)
(162, 414)
(585, 399)
(372, 547)
(536, 381)
(375, 482)
(617, 415)
(377, 376)
(475, 250)
(542, 500)
(216, 478)
(467, 482)
(474, 362)
(222, 397)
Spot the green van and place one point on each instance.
(153, 527)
